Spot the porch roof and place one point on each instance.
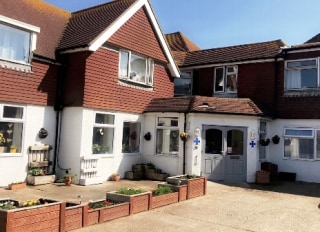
(200, 104)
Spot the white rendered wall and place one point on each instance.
(76, 141)
(306, 170)
(14, 166)
(174, 164)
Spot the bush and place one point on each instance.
(162, 190)
(129, 191)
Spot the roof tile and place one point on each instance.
(213, 105)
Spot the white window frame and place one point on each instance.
(225, 78)
(138, 136)
(263, 134)
(14, 120)
(102, 125)
(301, 68)
(163, 127)
(149, 72)
(33, 30)
(311, 136)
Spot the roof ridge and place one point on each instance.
(100, 5)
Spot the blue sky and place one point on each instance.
(220, 23)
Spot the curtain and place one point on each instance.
(293, 79)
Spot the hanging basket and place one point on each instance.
(184, 136)
(264, 142)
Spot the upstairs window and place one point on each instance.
(17, 41)
(301, 74)
(225, 79)
(136, 68)
(183, 85)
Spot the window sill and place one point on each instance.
(302, 93)
(167, 154)
(135, 85)
(10, 155)
(22, 67)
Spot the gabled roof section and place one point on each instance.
(50, 19)
(314, 39)
(89, 29)
(179, 42)
(200, 104)
(239, 53)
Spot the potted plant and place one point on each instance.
(3, 143)
(264, 141)
(115, 176)
(68, 176)
(99, 149)
(36, 171)
(13, 149)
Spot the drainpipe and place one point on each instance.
(184, 143)
(58, 107)
(276, 74)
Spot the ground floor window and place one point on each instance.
(301, 143)
(103, 133)
(11, 128)
(131, 137)
(167, 136)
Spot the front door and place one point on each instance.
(223, 156)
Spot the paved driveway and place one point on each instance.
(278, 207)
(227, 207)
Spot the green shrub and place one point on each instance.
(129, 191)
(162, 190)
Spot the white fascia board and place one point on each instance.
(108, 32)
(20, 24)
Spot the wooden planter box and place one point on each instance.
(196, 186)
(34, 218)
(155, 174)
(39, 180)
(262, 177)
(15, 186)
(138, 202)
(104, 214)
(181, 189)
(166, 199)
(71, 216)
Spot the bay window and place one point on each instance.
(103, 133)
(301, 74)
(167, 136)
(131, 137)
(136, 68)
(11, 127)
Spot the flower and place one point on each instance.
(184, 136)
(2, 139)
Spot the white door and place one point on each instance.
(223, 156)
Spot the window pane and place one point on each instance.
(298, 133)
(299, 148)
(231, 83)
(150, 71)
(167, 141)
(137, 68)
(295, 64)
(14, 44)
(309, 78)
(104, 119)
(102, 142)
(235, 142)
(214, 141)
(13, 112)
(131, 137)
(162, 121)
(182, 86)
(10, 135)
(219, 80)
(124, 64)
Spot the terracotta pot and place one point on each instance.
(68, 181)
(115, 177)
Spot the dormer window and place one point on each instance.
(135, 68)
(225, 79)
(17, 41)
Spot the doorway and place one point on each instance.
(224, 153)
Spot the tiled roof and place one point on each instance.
(245, 52)
(213, 105)
(86, 25)
(179, 42)
(314, 39)
(50, 19)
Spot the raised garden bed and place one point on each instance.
(71, 216)
(35, 215)
(197, 185)
(162, 200)
(138, 202)
(181, 189)
(104, 211)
